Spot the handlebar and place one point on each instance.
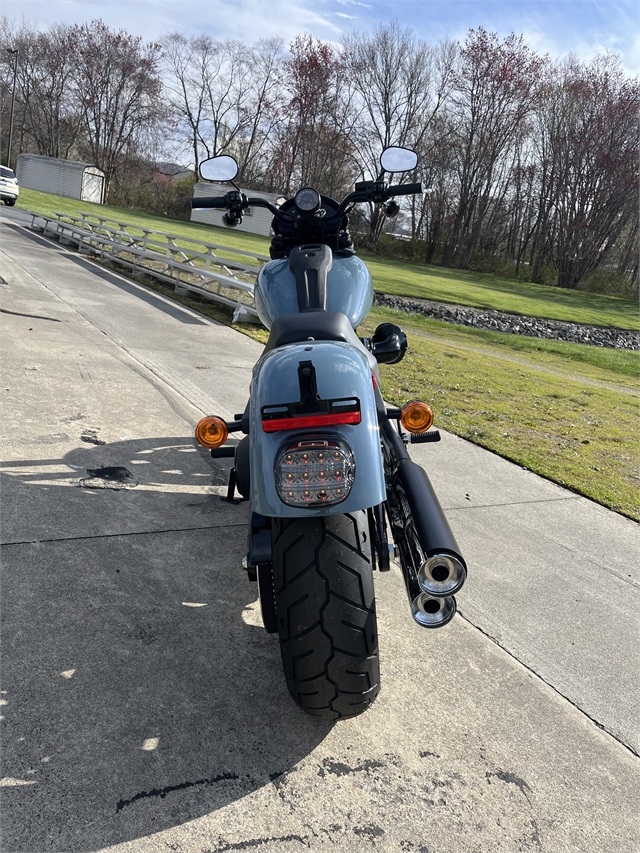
(262, 202)
(209, 201)
(404, 189)
(374, 193)
(223, 202)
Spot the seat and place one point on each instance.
(319, 325)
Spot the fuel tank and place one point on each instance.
(349, 290)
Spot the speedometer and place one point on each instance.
(307, 200)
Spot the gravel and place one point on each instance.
(513, 324)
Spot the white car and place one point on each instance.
(9, 190)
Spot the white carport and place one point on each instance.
(61, 177)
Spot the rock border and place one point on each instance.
(512, 324)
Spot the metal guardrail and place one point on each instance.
(192, 266)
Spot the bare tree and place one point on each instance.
(495, 89)
(46, 114)
(118, 88)
(264, 105)
(589, 174)
(312, 143)
(401, 84)
(220, 93)
(18, 41)
(185, 70)
(529, 162)
(51, 115)
(226, 92)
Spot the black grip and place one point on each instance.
(405, 189)
(209, 201)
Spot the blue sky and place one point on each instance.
(585, 27)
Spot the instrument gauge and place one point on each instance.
(307, 200)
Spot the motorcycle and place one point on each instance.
(324, 460)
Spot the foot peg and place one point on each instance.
(422, 437)
(227, 451)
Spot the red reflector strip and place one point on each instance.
(307, 421)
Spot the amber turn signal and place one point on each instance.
(211, 432)
(416, 416)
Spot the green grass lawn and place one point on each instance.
(479, 290)
(561, 355)
(390, 276)
(580, 436)
(566, 411)
(47, 204)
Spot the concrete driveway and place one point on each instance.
(144, 707)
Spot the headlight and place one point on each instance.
(315, 472)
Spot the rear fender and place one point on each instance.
(342, 371)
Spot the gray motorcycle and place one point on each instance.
(324, 459)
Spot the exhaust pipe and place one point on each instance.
(433, 612)
(432, 565)
(442, 575)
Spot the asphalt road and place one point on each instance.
(143, 704)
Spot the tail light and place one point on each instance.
(315, 472)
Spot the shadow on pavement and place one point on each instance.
(139, 690)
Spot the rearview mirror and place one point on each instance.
(223, 168)
(398, 159)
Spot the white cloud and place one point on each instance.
(354, 3)
(245, 20)
(586, 27)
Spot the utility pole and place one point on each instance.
(14, 53)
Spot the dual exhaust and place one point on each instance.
(439, 577)
(432, 565)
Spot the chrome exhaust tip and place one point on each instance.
(442, 575)
(431, 612)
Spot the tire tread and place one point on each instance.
(326, 613)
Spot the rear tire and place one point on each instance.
(325, 606)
